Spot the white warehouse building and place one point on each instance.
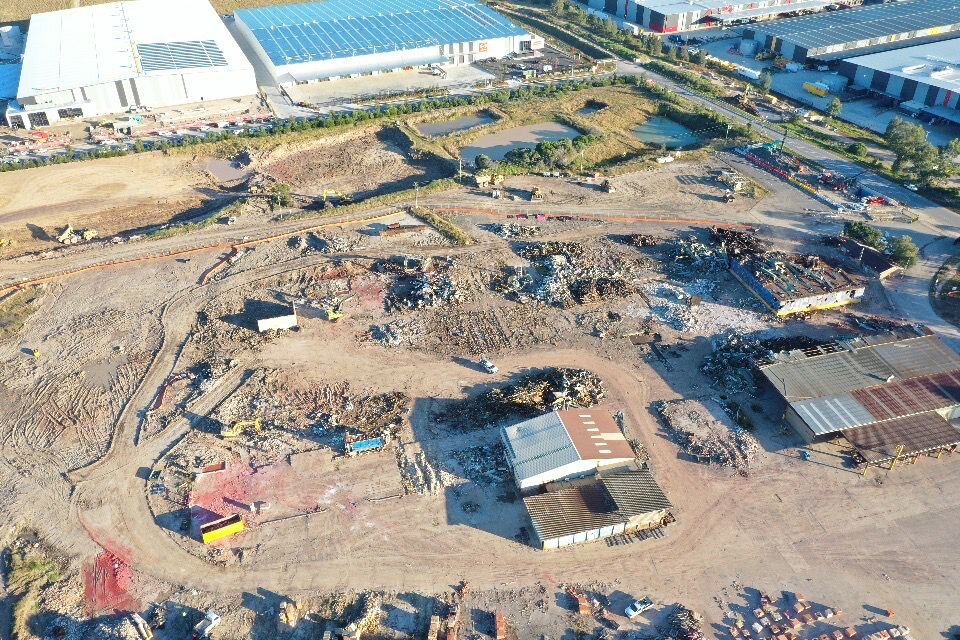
(125, 56)
(333, 39)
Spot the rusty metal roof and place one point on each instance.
(878, 442)
(611, 498)
(595, 434)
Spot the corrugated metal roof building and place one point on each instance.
(619, 499)
(563, 445)
(110, 58)
(337, 38)
(852, 32)
(879, 392)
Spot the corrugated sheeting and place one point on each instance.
(635, 492)
(296, 33)
(573, 510)
(538, 445)
(610, 499)
(857, 366)
(878, 442)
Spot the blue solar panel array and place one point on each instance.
(297, 33)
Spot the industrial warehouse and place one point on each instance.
(890, 396)
(871, 29)
(669, 16)
(126, 56)
(340, 38)
(925, 77)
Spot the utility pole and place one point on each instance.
(416, 197)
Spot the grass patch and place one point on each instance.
(16, 308)
(173, 230)
(443, 224)
(383, 200)
(31, 569)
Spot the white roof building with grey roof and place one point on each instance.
(562, 445)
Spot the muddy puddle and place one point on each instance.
(437, 129)
(665, 132)
(498, 145)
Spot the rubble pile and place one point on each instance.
(639, 240)
(685, 624)
(730, 364)
(485, 464)
(737, 243)
(514, 230)
(705, 432)
(551, 390)
(569, 277)
(417, 473)
(419, 283)
(692, 253)
(687, 308)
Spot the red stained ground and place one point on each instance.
(106, 585)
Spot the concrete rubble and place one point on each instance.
(419, 283)
(513, 230)
(730, 364)
(705, 432)
(688, 308)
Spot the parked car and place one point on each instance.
(638, 607)
(912, 187)
(488, 366)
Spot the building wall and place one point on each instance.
(583, 536)
(906, 89)
(449, 54)
(830, 300)
(794, 420)
(578, 469)
(647, 520)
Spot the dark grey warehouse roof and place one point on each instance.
(862, 23)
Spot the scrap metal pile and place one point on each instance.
(715, 253)
(546, 390)
(705, 432)
(513, 230)
(638, 240)
(730, 364)
(570, 275)
(685, 624)
(419, 283)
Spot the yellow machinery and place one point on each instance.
(237, 428)
(332, 195)
(335, 311)
(222, 528)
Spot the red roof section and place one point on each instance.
(595, 435)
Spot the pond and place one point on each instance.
(437, 129)
(226, 170)
(660, 131)
(498, 145)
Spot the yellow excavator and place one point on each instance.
(236, 429)
(335, 311)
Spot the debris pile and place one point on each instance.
(417, 473)
(685, 624)
(419, 283)
(737, 243)
(569, 278)
(485, 464)
(513, 230)
(546, 390)
(730, 364)
(686, 308)
(74, 236)
(694, 254)
(639, 240)
(705, 432)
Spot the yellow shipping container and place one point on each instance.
(816, 90)
(222, 528)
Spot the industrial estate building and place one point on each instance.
(124, 56)
(562, 445)
(343, 38)
(925, 77)
(842, 34)
(617, 500)
(890, 396)
(669, 16)
(797, 284)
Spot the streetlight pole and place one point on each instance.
(416, 197)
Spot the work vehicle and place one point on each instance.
(335, 311)
(488, 366)
(203, 628)
(638, 607)
(236, 429)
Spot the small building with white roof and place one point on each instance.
(563, 445)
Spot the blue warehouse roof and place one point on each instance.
(292, 34)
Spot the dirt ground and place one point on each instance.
(118, 384)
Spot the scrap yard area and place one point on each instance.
(325, 382)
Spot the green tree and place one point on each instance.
(766, 81)
(864, 234)
(903, 251)
(700, 57)
(138, 146)
(280, 195)
(559, 7)
(672, 53)
(858, 149)
(835, 107)
(482, 161)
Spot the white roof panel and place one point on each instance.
(101, 43)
